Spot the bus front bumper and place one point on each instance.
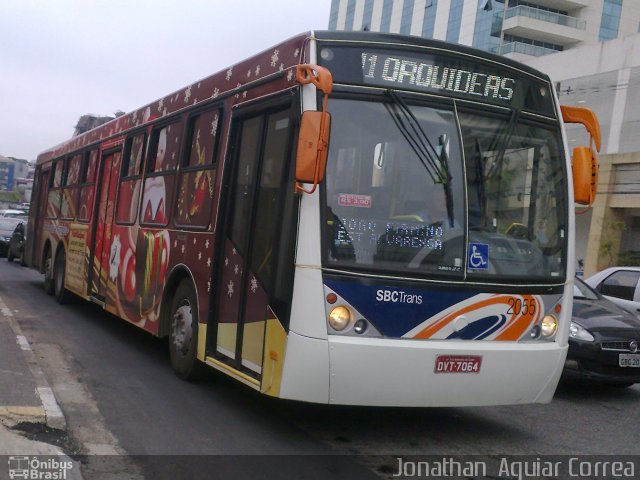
(396, 372)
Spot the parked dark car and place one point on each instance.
(7, 226)
(16, 244)
(604, 340)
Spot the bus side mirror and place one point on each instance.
(585, 163)
(313, 141)
(585, 175)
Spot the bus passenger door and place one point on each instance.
(101, 244)
(252, 236)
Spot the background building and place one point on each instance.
(16, 181)
(522, 29)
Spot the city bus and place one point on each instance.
(345, 218)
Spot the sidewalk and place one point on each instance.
(25, 397)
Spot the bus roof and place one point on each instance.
(277, 61)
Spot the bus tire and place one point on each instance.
(60, 292)
(48, 273)
(183, 332)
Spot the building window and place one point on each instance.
(385, 21)
(611, 11)
(333, 15)
(455, 19)
(407, 15)
(429, 18)
(351, 10)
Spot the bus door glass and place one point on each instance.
(256, 264)
(102, 225)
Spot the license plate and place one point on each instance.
(629, 360)
(458, 364)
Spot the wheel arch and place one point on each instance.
(45, 248)
(176, 276)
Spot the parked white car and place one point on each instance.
(13, 213)
(621, 285)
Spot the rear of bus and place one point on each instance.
(435, 259)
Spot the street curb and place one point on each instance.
(50, 411)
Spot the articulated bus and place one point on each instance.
(346, 218)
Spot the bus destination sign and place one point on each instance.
(432, 76)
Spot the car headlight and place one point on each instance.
(6, 239)
(578, 333)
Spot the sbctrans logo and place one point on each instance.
(397, 296)
(34, 468)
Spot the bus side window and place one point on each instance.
(162, 160)
(87, 185)
(70, 188)
(55, 182)
(197, 176)
(129, 191)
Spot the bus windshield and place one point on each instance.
(395, 197)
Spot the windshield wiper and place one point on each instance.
(504, 141)
(413, 133)
(435, 163)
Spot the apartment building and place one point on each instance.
(514, 28)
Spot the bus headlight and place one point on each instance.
(549, 326)
(339, 318)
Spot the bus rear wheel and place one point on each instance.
(183, 332)
(48, 273)
(61, 293)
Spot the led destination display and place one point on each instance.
(431, 76)
(450, 74)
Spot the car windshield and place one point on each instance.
(582, 290)
(395, 199)
(13, 214)
(8, 225)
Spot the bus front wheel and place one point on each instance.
(183, 332)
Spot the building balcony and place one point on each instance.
(566, 5)
(517, 50)
(549, 27)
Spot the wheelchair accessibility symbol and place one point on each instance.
(478, 258)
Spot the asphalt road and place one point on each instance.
(119, 395)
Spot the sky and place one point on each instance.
(60, 59)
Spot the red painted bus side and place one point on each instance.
(129, 235)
